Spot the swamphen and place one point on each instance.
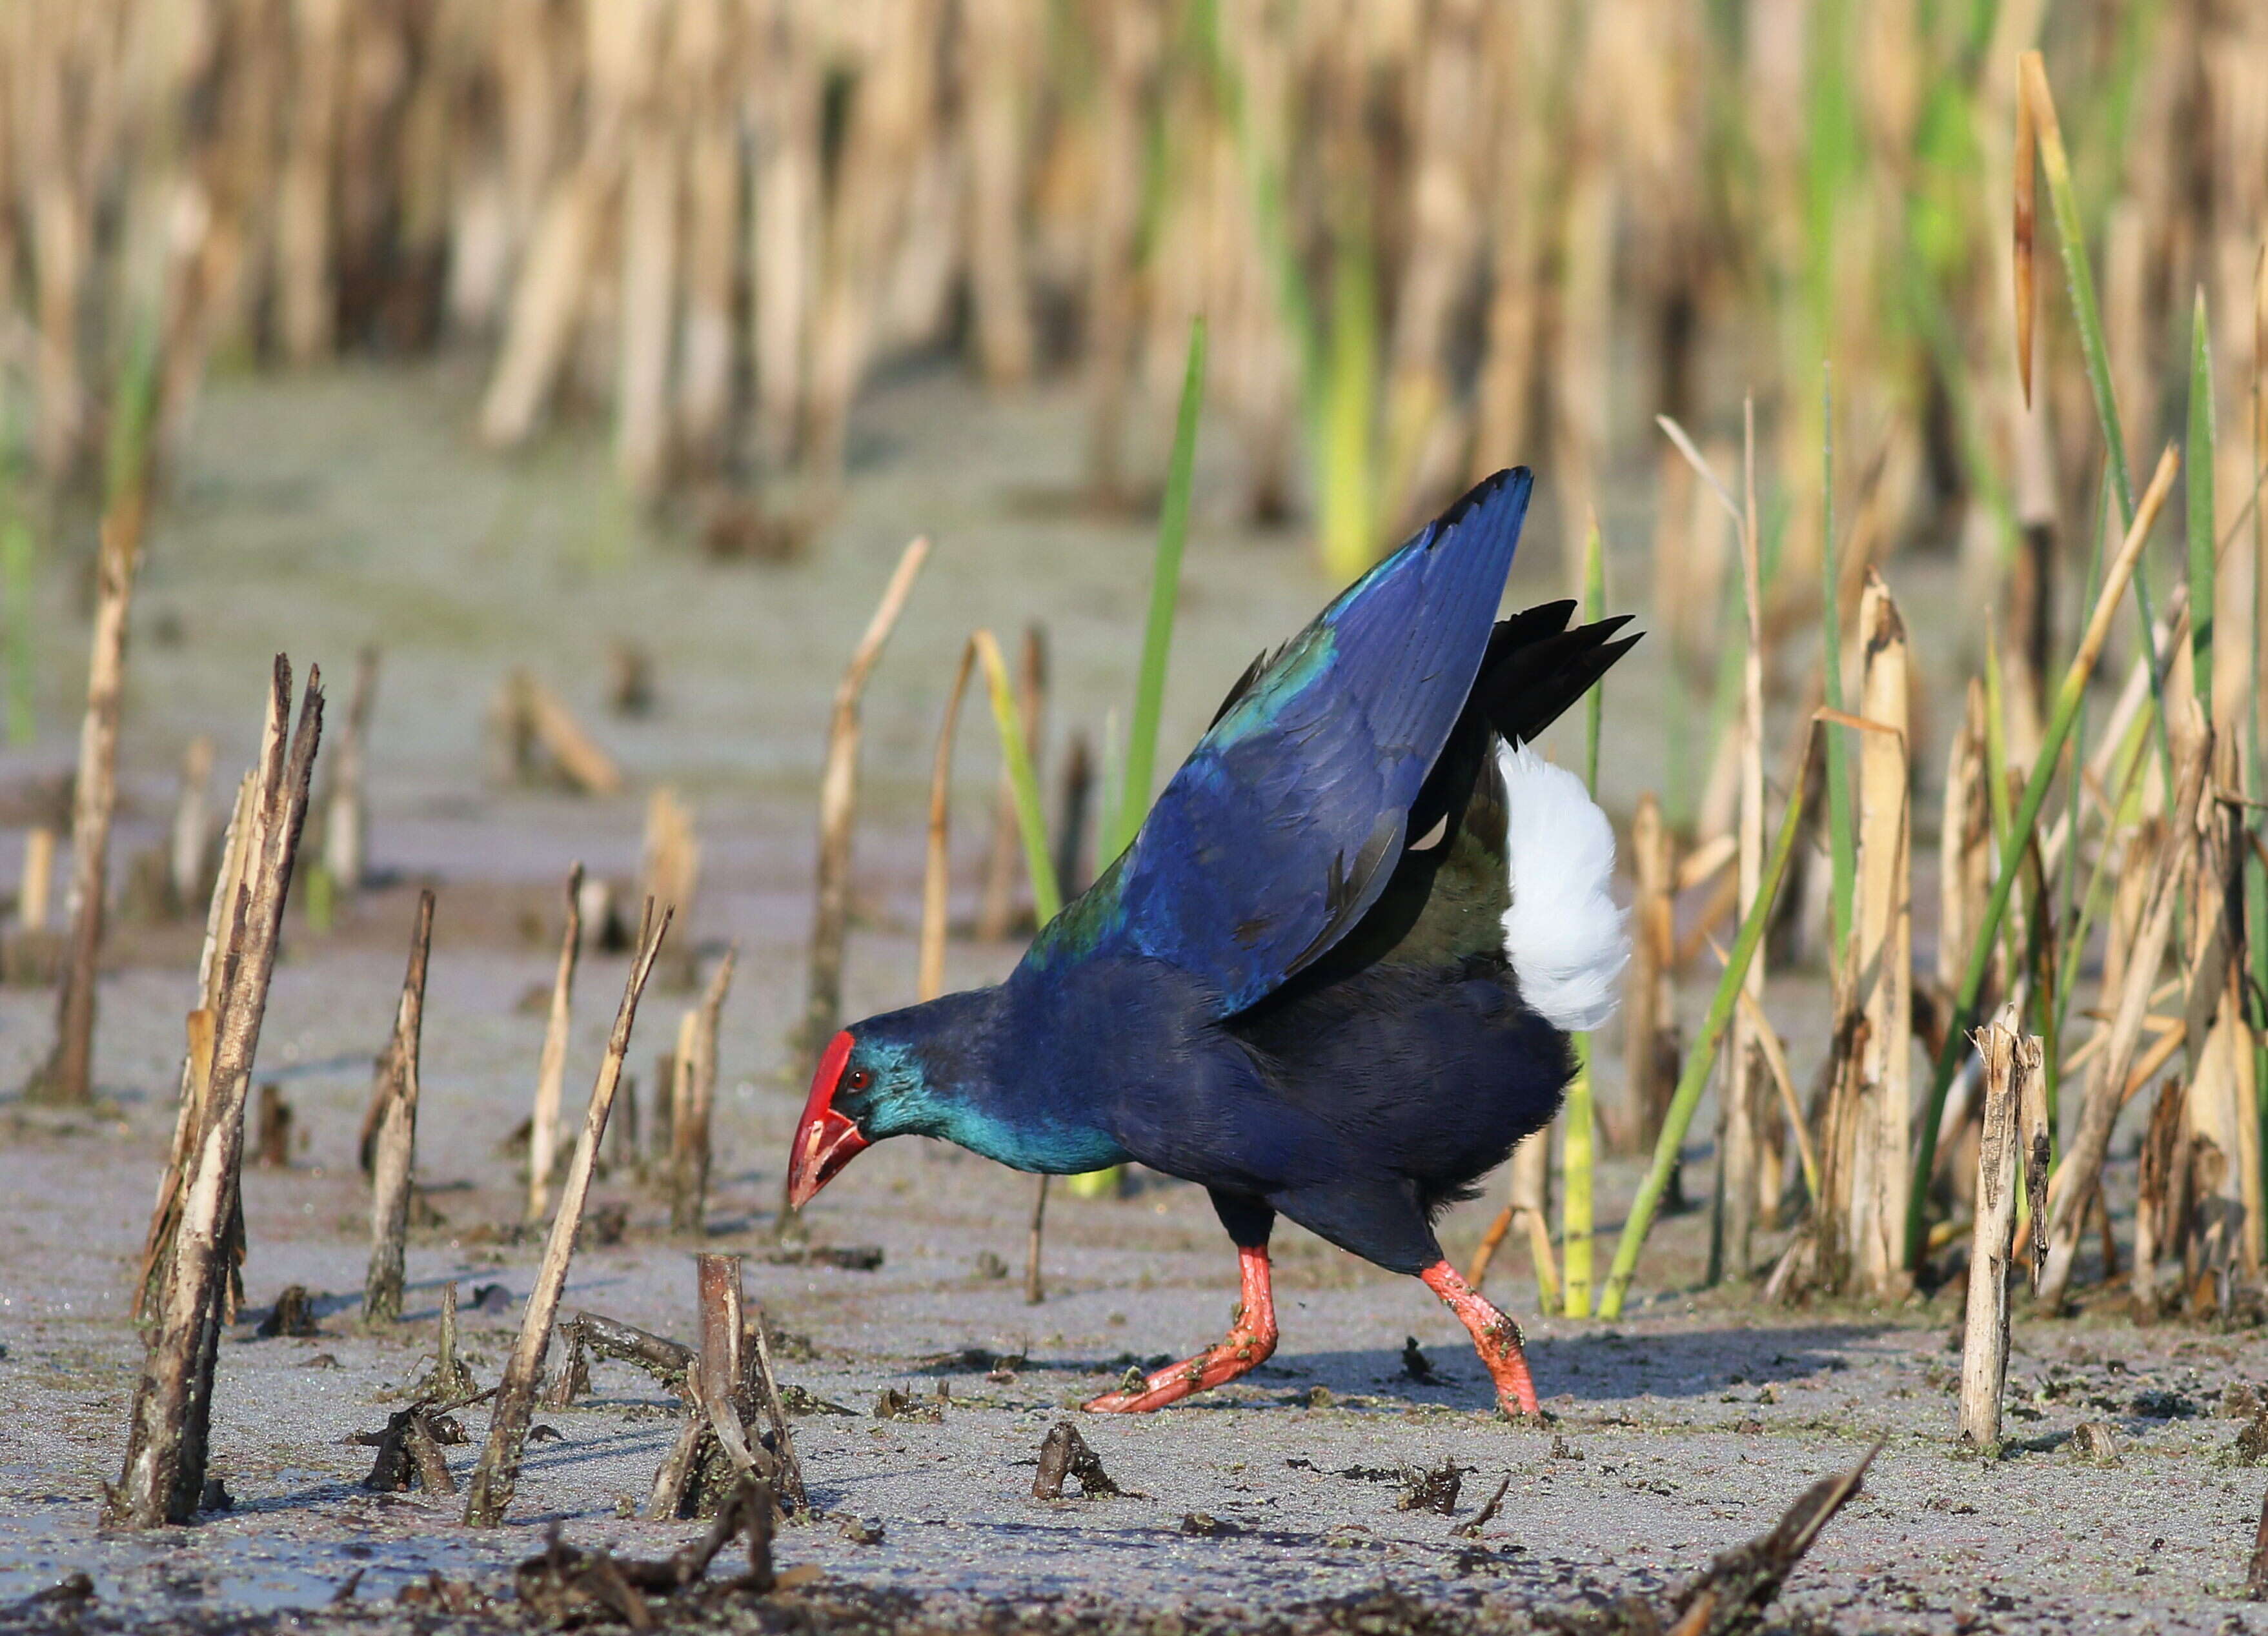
(1335, 973)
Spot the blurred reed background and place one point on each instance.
(1432, 237)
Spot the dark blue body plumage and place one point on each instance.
(1293, 988)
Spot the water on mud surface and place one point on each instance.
(319, 514)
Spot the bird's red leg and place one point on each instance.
(1495, 1337)
(1251, 1339)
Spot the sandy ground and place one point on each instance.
(321, 513)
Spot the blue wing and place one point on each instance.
(1281, 828)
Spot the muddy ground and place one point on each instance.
(317, 514)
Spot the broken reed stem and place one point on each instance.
(346, 820)
(68, 1076)
(2081, 1169)
(498, 1471)
(1034, 1291)
(196, 1062)
(393, 1173)
(838, 801)
(2011, 1063)
(551, 1066)
(163, 1477)
(1987, 932)
(790, 1482)
(689, 1131)
(717, 1370)
(1882, 960)
(937, 874)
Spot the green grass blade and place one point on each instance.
(1842, 828)
(1047, 894)
(16, 548)
(2198, 458)
(2078, 277)
(1698, 1065)
(1165, 588)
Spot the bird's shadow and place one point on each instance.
(1597, 1365)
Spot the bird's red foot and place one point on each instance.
(1495, 1337)
(1251, 1340)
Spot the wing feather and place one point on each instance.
(1284, 825)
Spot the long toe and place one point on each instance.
(1242, 1352)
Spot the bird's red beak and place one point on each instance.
(825, 1141)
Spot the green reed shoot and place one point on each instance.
(1165, 589)
(1047, 894)
(2094, 353)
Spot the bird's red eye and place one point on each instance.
(858, 1078)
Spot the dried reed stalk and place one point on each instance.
(2214, 1023)
(881, 149)
(163, 1479)
(936, 876)
(68, 1075)
(192, 832)
(838, 803)
(393, 1172)
(1127, 46)
(551, 1065)
(497, 1474)
(697, 1096)
(2081, 1172)
(2011, 1061)
(305, 208)
(196, 1061)
(2161, 1195)
(1883, 956)
(784, 234)
(1732, 1242)
(669, 870)
(1964, 870)
(535, 715)
(271, 1148)
(38, 877)
(1528, 1207)
(346, 818)
(1649, 1010)
(996, 914)
(1001, 38)
(706, 56)
(649, 235)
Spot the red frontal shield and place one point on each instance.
(825, 1141)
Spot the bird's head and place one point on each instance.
(838, 1121)
(900, 1074)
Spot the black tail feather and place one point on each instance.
(1533, 674)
